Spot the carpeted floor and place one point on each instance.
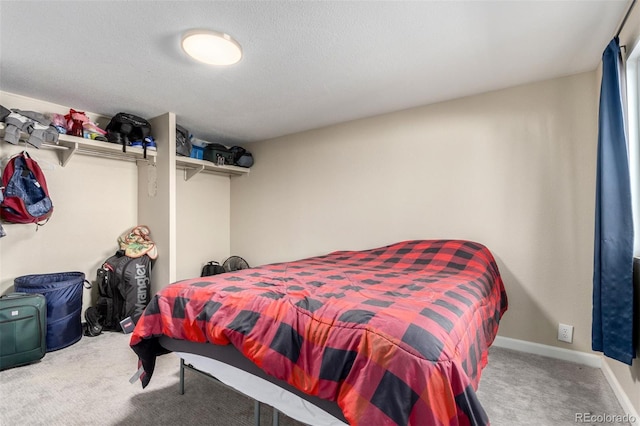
(88, 384)
(524, 389)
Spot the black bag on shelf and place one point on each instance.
(218, 154)
(241, 157)
(183, 141)
(125, 128)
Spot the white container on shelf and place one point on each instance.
(199, 142)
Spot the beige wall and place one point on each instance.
(203, 211)
(513, 169)
(95, 200)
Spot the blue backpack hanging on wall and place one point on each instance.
(25, 195)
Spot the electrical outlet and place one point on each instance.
(565, 333)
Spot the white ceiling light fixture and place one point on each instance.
(211, 47)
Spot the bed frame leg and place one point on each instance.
(181, 376)
(256, 413)
(256, 403)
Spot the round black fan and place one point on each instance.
(235, 263)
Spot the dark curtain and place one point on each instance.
(612, 328)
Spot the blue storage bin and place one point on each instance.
(197, 152)
(63, 293)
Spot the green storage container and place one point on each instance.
(218, 154)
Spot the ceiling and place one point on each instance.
(306, 64)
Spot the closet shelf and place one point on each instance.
(193, 166)
(69, 145)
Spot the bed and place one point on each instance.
(393, 335)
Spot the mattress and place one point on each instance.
(393, 335)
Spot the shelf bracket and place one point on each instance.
(66, 155)
(189, 173)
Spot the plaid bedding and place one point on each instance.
(395, 335)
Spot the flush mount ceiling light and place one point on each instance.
(211, 47)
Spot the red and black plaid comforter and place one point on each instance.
(395, 335)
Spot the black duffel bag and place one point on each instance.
(241, 157)
(212, 268)
(125, 128)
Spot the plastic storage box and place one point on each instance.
(197, 152)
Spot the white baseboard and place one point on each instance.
(623, 399)
(578, 357)
(591, 360)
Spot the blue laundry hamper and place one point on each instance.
(63, 293)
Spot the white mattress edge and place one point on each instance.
(262, 390)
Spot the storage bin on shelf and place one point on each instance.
(197, 152)
(197, 148)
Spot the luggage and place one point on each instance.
(124, 285)
(23, 319)
(219, 154)
(63, 293)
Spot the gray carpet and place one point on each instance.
(524, 389)
(88, 384)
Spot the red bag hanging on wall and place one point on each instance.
(25, 196)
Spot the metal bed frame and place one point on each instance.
(230, 356)
(256, 404)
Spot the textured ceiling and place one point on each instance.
(306, 64)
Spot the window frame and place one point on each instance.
(633, 123)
